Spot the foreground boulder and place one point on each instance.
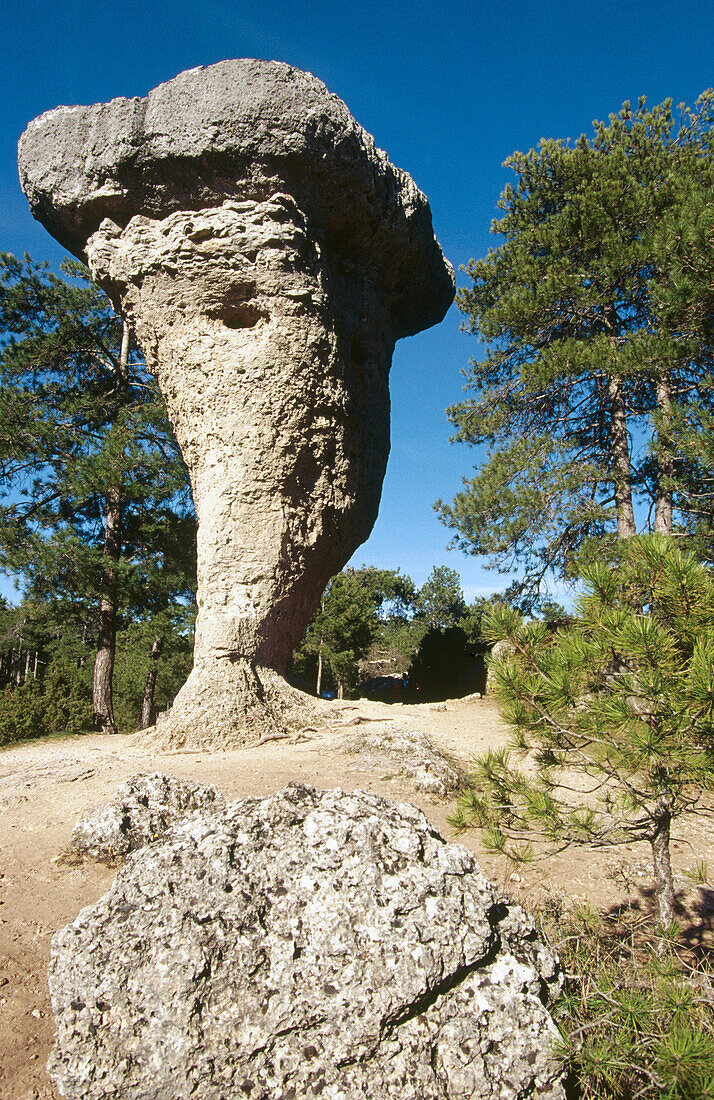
(267, 256)
(143, 809)
(307, 944)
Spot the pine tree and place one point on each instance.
(622, 701)
(47, 653)
(348, 619)
(97, 501)
(591, 353)
(440, 600)
(684, 243)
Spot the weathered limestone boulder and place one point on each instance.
(143, 809)
(499, 650)
(411, 753)
(268, 256)
(307, 944)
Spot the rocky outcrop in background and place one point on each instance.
(408, 753)
(307, 944)
(267, 256)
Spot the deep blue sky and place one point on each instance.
(449, 89)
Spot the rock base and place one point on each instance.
(231, 705)
(411, 754)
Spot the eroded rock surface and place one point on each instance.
(499, 651)
(410, 753)
(142, 811)
(307, 944)
(268, 256)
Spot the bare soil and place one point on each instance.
(46, 786)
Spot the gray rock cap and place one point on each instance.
(241, 129)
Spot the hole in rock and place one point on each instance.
(240, 315)
(358, 350)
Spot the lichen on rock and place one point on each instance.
(267, 256)
(302, 945)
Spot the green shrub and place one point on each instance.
(21, 712)
(635, 1020)
(67, 699)
(58, 703)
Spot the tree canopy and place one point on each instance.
(344, 626)
(599, 344)
(96, 506)
(440, 602)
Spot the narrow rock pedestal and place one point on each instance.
(267, 256)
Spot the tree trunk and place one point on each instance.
(665, 459)
(621, 469)
(124, 353)
(664, 885)
(340, 688)
(102, 706)
(147, 703)
(318, 685)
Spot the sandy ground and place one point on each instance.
(47, 786)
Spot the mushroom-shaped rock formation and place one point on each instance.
(267, 256)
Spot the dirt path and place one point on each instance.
(46, 786)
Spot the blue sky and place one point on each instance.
(449, 89)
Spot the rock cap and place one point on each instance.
(240, 129)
